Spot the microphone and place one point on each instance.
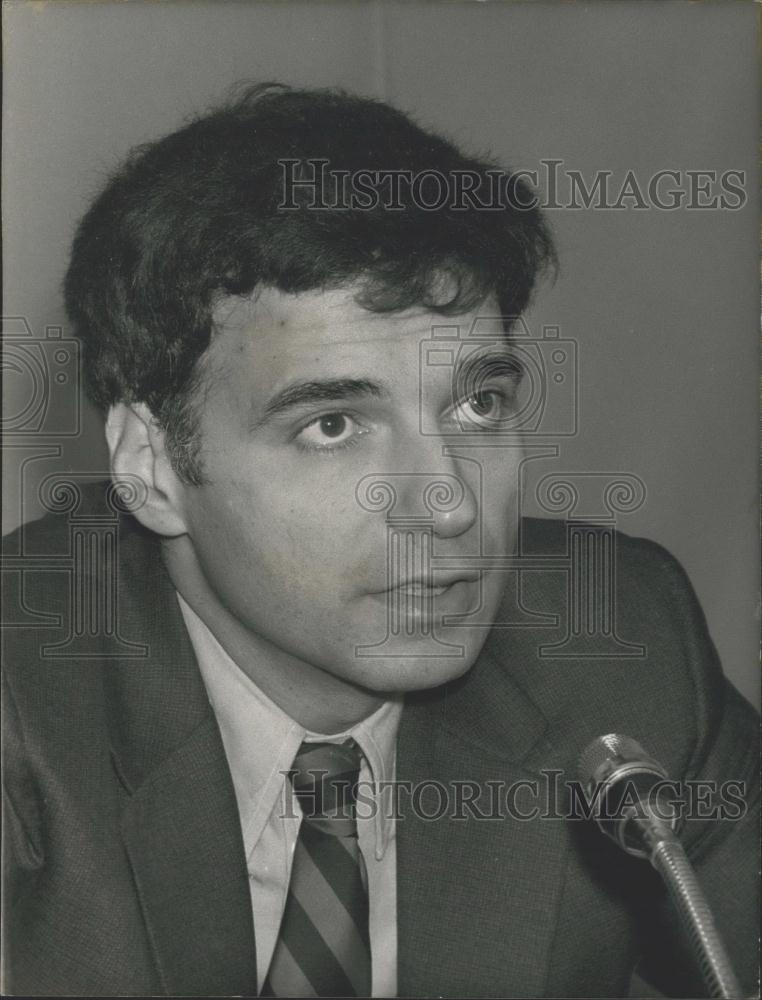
(636, 814)
(631, 792)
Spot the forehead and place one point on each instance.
(278, 331)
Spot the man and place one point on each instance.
(320, 566)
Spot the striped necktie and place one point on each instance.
(323, 948)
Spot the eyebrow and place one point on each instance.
(506, 360)
(320, 391)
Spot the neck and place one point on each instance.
(311, 696)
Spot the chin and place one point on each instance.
(407, 672)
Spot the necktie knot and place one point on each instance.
(324, 778)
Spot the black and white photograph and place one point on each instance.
(380, 498)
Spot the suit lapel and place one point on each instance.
(180, 821)
(477, 898)
(181, 833)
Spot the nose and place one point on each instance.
(449, 497)
(451, 500)
(428, 491)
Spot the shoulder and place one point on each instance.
(614, 582)
(86, 534)
(607, 582)
(68, 580)
(613, 639)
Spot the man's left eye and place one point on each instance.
(481, 408)
(330, 431)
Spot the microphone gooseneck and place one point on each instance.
(628, 786)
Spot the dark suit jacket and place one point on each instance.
(126, 871)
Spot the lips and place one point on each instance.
(432, 586)
(421, 589)
(417, 603)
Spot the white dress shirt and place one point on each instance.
(260, 743)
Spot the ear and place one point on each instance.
(136, 446)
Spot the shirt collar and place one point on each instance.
(261, 740)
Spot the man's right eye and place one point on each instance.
(330, 432)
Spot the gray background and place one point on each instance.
(662, 304)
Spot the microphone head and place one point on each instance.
(611, 757)
(624, 782)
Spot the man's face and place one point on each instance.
(321, 526)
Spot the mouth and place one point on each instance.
(434, 586)
(418, 602)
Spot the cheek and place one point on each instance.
(499, 495)
(279, 536)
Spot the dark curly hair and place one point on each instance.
(199, 215)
